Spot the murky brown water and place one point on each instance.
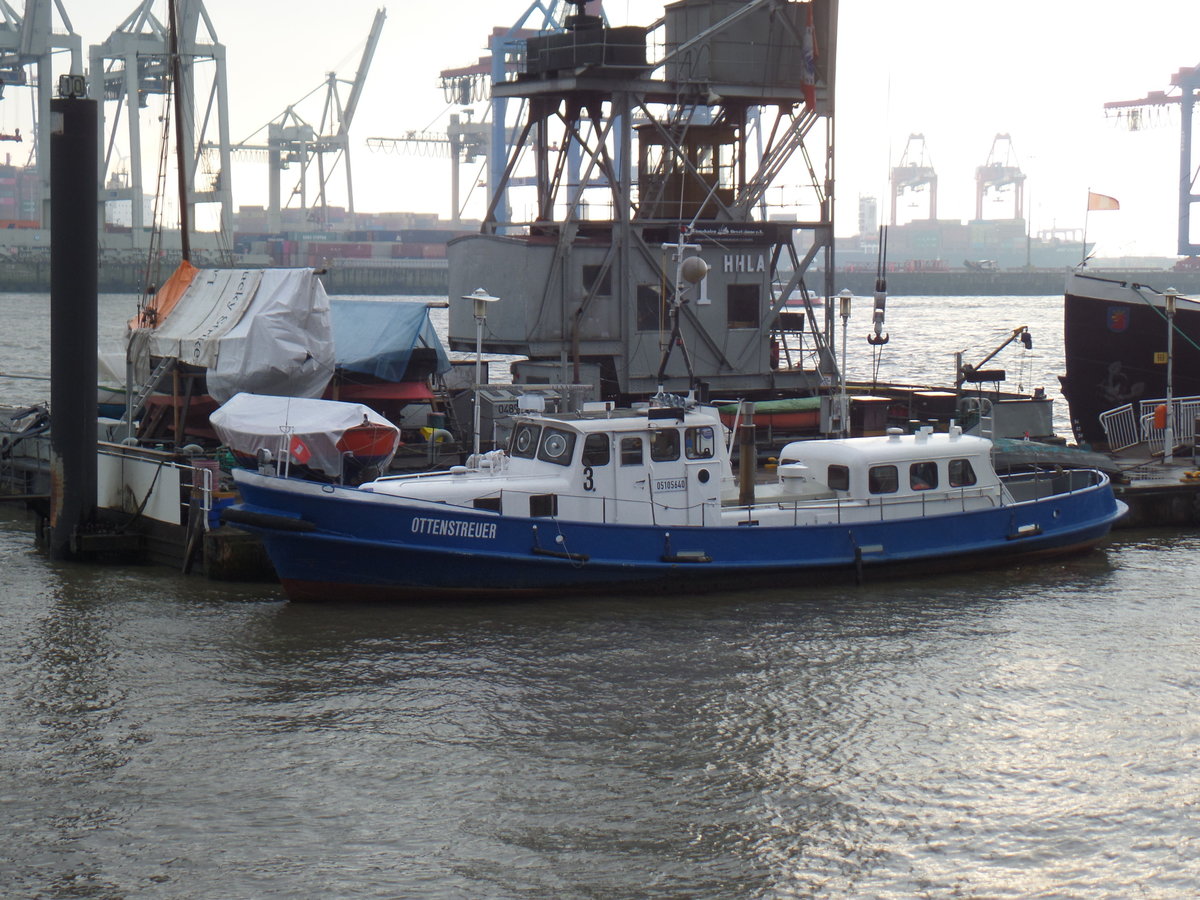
(1017, 733)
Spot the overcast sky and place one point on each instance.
(957, 72)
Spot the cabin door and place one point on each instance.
(703, 467)
(600, 461)
(631, 479)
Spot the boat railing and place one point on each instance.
(186, 497)
(1040, 483)
(1121, 427)
(1183, 412)
(1127, 425)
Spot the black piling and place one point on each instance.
(74, 271)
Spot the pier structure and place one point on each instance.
(682, 130)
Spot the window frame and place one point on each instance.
(875, 486)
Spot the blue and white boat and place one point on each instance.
(605, 500)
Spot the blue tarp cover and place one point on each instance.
(377, 337)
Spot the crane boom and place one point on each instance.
(360, 77)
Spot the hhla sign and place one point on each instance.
(745, 262)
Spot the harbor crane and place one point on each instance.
(999, 172)
(914, 173)
(31, 40)
(463, 142)
(133, 66)
(1134, 114)
(293, 140)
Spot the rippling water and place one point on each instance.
(1029, 732)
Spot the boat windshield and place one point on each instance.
(525, 440)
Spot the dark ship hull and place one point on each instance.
(1115, 344)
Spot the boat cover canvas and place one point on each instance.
(305, 428)
(262, 331)
(377, 337)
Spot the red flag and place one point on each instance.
(299, 451)
(808, 63)
(1100, 201)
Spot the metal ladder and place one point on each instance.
(164, 367)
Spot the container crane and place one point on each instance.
(30, 40)
(291, 139)
(914, 172)
(999, 172)
(1134, 114)
(134, 65)
(463, 142)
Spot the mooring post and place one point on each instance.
(74, 271)
(747, 456)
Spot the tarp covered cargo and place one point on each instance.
(262, 331)
(320, 434)
(379, 337)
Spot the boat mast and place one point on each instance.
(185, 229)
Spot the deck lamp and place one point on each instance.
(844, 299)
(481, 298)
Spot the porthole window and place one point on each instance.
(837, 477)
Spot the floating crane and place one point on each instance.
(999, 172)
(914, 173)
(1135, 112)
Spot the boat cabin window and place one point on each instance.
(556, 446)
(923, 476)
(631, 451)
(595, 450)
(664, 445)
(543, 505)
(699, 443)
(838, 478)
(961, 473)
(525, 440)
(883, 480)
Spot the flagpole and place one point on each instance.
(1087, 210)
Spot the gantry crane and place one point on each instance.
(463, 142)
(913, 173)
(133, 66)
(291, 139)
(999, 172)
(1134, 113)
(31, 40)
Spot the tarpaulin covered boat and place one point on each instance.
(326, 438)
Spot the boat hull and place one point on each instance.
(331, 543)
(1112, 331)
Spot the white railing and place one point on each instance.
(1184, 411)
(1121, 427)
(1124, 426)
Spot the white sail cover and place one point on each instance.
(306, 429)
(262, 331)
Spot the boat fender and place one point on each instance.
(1160, 416)
(255, 519)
